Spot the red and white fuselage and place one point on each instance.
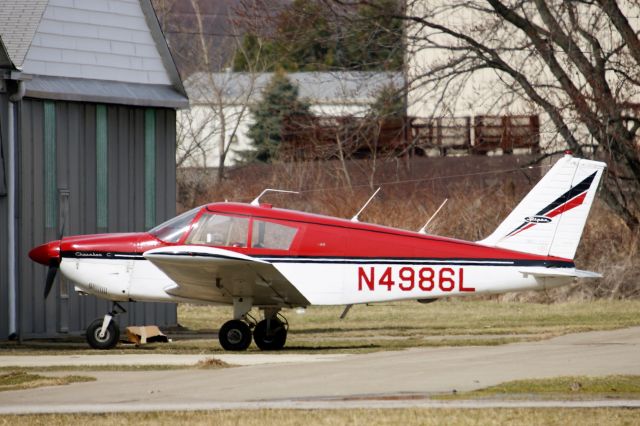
(221, 252)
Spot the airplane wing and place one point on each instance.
(218, 275)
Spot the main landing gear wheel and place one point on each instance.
(270, 336)
(110, 338)
(235, 335)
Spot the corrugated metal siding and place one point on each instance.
(4, 278)
(165, 164)
(3, 155)
(76, 173)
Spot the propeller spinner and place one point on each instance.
(48, 254)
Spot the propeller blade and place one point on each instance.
(62, 228)
(51, 276)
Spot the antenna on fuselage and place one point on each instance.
(355, 218)
(423, 230)
(256, 202)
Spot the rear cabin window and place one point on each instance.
(269, 235)
(220, 230)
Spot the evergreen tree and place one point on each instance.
(372, 40)
(389, 103)
(279, 111)
(312, 36)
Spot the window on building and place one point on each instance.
(269, 235)
(220, 230)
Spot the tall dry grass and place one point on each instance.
(478, 202)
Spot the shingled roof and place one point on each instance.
(19, 21)
(91, 50)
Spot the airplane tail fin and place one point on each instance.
(550, 219)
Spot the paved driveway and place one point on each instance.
(303, 380)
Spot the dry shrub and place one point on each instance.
(211, 363)
(609, 247)
(411, 193)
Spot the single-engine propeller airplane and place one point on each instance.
(254, 255)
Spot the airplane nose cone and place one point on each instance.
(46, 253)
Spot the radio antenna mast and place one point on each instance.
(355, 218)
(423, 230)
(256, 202)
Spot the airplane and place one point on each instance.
(250, 255)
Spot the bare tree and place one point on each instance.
(360, 126)
(192, 134)
(220, 103)
(576, 61)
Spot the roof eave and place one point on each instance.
(162, 46)
(101, 91)
(5, 59)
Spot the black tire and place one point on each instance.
(272, 341)
(235, 335)
(111, 336)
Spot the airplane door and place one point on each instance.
(319, 272)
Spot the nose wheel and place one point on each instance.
(104, 333)
(99, 340)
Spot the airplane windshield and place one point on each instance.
(172, 230)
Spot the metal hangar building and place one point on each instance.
(88, 99)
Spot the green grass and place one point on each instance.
(208, 364)
(452, 322)
(566, 388)
(364, 417)
(17, 380)
(390, 326)
(447, 317)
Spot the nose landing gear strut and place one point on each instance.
(104, 333)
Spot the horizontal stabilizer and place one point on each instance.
(560, 272)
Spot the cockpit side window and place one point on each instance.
(220, 230)
(270, 235)
(172, 230)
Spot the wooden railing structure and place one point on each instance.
(308, 138)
